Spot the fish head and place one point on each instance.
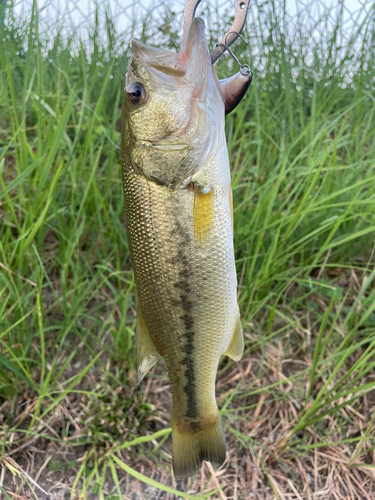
(173, 111)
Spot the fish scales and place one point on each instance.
(179, 224)
(183, 285)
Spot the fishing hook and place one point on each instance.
(244, 68)
(242, 8)
(234, 31)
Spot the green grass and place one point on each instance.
(302, 151)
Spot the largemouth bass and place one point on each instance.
(178, 203)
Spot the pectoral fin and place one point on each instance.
(203, 212)
(147, 355)
(236, 345)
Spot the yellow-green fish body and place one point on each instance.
(178, 203)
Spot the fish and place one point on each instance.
(179, 217)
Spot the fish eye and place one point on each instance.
(136, 92)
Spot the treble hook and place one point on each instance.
(233, 33)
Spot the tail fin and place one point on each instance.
(190, 447)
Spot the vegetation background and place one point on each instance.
(299, 408)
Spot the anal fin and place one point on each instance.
(147, 354)
(236, 344)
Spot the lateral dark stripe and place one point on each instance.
(183, 284)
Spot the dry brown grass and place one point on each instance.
(331, 460)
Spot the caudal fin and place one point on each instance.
(190, 446)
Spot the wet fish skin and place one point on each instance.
(178, 196)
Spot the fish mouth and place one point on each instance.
(167, 145)
(198, 59)
(164, 61)
(196, 39)
(191, 64)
